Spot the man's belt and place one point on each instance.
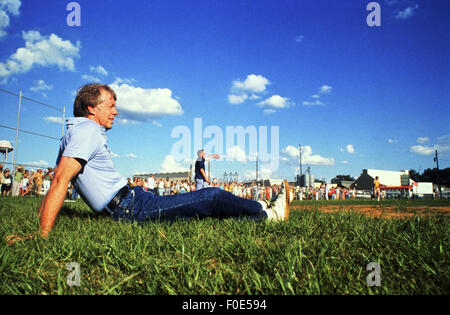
(122, 193)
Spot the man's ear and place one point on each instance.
(91, 109)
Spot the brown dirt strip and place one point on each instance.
(377, 211)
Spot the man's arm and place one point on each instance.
(212, 156)
(67, 169)
(202, 171)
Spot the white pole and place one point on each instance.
(63, 121)
(17, 134)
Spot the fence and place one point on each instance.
(19, 131)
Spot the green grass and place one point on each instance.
(312, 253)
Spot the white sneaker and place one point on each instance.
(279, 210)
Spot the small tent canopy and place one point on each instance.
(5, 148)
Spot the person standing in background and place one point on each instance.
(6, 183)
(16, 183)
(376, 187)
(200, 175)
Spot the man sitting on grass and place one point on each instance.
(85, 160)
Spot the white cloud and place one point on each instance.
(423, 150)
(40, 163)
(236, 154)
(237, 99)
(131, 155)
(255, 97)
(98, 70)
(444, 140)
(392, 141)
(406, 13)
(326, 89)
(423, 140)
(131, 81)
(53, 119)
(276, 101)
(350, 148)
(307, 156)
(140, 105)
(90, 78)
(39, 50)
(7, 7)
(124, 121)
(443, 146)
(4, 23)
(253, 83)
(11, 6)
(263, 173)
(170, 165)
(314, 103)
(344, 162)
(269, 111)
(40, 85)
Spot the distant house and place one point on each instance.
(345, 184)
(387, 179)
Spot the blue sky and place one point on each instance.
(353, 96)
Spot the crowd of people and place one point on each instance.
(254, 191)
(25, 182)
(30, 182)
(324, 193)
(167, 187)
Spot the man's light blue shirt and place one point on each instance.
(98, 181)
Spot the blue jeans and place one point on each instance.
(74, 194)
(141, 206)
(200, 183)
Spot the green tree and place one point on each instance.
(338, 178)
(430, 175)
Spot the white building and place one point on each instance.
(391, 178)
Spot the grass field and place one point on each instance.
(315, 252)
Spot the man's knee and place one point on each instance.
(212, 192)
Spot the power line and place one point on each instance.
(29, 132)
(32, 100)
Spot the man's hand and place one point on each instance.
(11, 239)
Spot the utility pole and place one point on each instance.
(257, 167)
(437, 165)
(300, 163)
(309, 177)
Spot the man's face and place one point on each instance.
(105, 112)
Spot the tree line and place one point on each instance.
(428, 175)
(431, 175)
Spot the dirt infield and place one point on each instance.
(378, 211)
